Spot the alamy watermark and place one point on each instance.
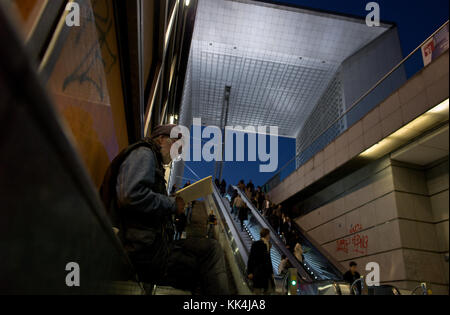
(373, 277)
(373, 18)
(212, 150)
(73, 15)
(73, 277)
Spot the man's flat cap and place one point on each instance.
(163, 130)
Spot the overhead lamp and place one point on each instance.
(187, 2)
(437, 114)
(441, 108)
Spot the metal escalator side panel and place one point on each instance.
(243, 249)
(235, 250)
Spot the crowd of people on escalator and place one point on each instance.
(277, 216)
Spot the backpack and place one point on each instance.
(108, 187)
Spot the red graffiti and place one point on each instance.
(360, 243)
(356, 229)
(342, 245)
(357, 243)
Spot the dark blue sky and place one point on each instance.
(235, 171)
(416, 20)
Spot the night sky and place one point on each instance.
(416, 21)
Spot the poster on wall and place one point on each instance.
(436, 46)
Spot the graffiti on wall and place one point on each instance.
(98, 57)
(356, 243)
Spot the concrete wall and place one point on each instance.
(357, 225)
(425, 90)
(364, 69)
(423, 227)
(355, 76)
(395, 215)
(438, 183)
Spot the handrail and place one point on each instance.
(336, 264)
(239, 242)
(422, 286)
(352, 287)
(359, 100)
(243, 250)
(279, 244)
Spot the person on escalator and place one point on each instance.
(259, 266)
(298, 252)
(223, 187)
(230, 190)
(352, 275)
(243, 215)
(285, 228)
(180, 225)
(284, 266)
(275, 220)
(260, 199)
(238, 203)
(291, 240)
(250, 187)
(173, 190)
(266, 208)
(211, 223)
(135, 195)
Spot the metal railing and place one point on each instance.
(240, 251)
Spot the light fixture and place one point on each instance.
(434, 116)
(187, 2)
(440, 109)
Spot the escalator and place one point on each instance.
(315, 264)
(250, 233)
(235, 244)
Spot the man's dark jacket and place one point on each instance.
(260, 265)
(134, 193)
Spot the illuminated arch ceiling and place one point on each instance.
(278, 60)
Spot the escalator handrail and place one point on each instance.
(237, 236)
(243, 250)
(338, 268)
(334, 264)
(276, 239)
